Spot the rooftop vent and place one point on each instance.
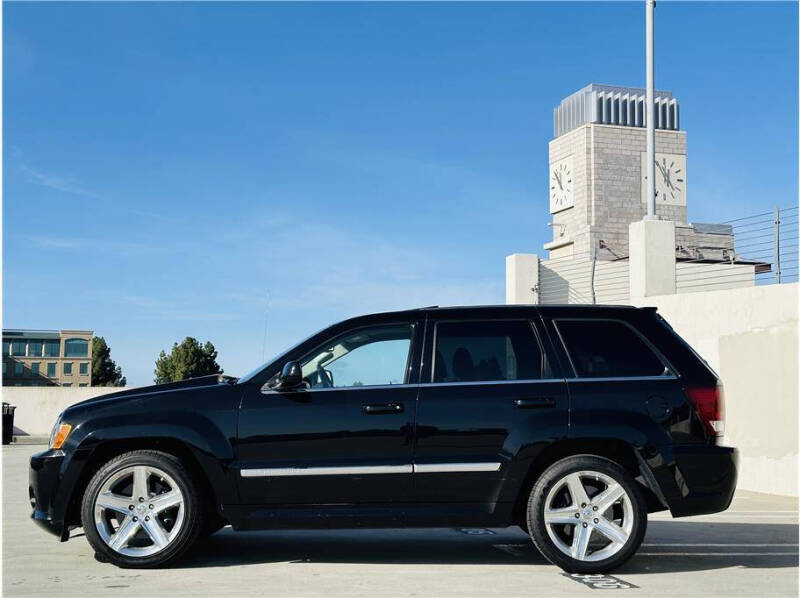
(612, 105)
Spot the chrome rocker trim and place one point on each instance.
(370, 469)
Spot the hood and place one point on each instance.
(211, 380)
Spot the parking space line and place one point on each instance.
(722, 545)
(794, 554)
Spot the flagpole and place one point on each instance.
(650, 113)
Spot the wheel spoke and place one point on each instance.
(161, 502)
(115, 502)
(124, 533)
(612, 531)
(140, 483)
(580, 543)
(556, 516)
(576, 490)
(608, 497)
(157, 533)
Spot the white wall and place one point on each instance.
(39, 406)
(750, 337)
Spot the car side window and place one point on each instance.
(608, 349)
(366, 357)
(486, 351)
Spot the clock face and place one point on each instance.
(561, 185)
(670, 179)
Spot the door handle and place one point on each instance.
(385, 408)
(535, 403)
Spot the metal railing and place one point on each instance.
(764, 251)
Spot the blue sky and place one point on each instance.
(192, 169)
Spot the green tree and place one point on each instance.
(189, 359)
(104, 371)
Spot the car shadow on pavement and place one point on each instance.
(670, 546)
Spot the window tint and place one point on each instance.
(17, 368)
(608, 349)
(367, 357)
(84, 368)
(67, 368)
(52, 348)
(51, 370)
(486, 351)
(35, 368)
(34, 348)
(18, 348)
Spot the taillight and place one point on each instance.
(710, 406)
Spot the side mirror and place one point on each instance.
(291, 377)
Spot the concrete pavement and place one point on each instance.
(750, 550)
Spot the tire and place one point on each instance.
(173, 510)
(573, 536)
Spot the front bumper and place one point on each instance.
(703, 479)
(44, 479)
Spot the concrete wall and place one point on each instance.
(39, 406)
(750, 337)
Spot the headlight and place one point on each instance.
(59, 434)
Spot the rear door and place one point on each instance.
(488, 400)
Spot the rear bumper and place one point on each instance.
(703, 479)
(44, 479)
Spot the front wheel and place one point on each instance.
(142, 509)
(586, 514)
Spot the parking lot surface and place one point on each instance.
(750, 550)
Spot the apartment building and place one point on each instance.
(47, 357)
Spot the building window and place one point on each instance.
(68, 368)
(82, 385)
(18, 348)
(35, 368)
(76, 347)
(6, 347)
(17, 368)
(67, 384)
(51, 370)
(34, 348)
(52, 348)
(5, 367)
(83, 368)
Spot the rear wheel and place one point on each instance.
(586, 514)
(142, 509)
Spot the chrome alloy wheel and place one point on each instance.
(588, 515)
(139, 510)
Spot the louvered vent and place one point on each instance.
(611, 105)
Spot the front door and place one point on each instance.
(346, 437)
(487, 401)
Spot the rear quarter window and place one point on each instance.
(608, 349)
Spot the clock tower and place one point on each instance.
(597, 179)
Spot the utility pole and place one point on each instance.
(650, 113)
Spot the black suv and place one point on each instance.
(573, 422)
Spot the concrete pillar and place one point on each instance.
(522, 278)
(652, 258)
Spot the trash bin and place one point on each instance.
(8, 422)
